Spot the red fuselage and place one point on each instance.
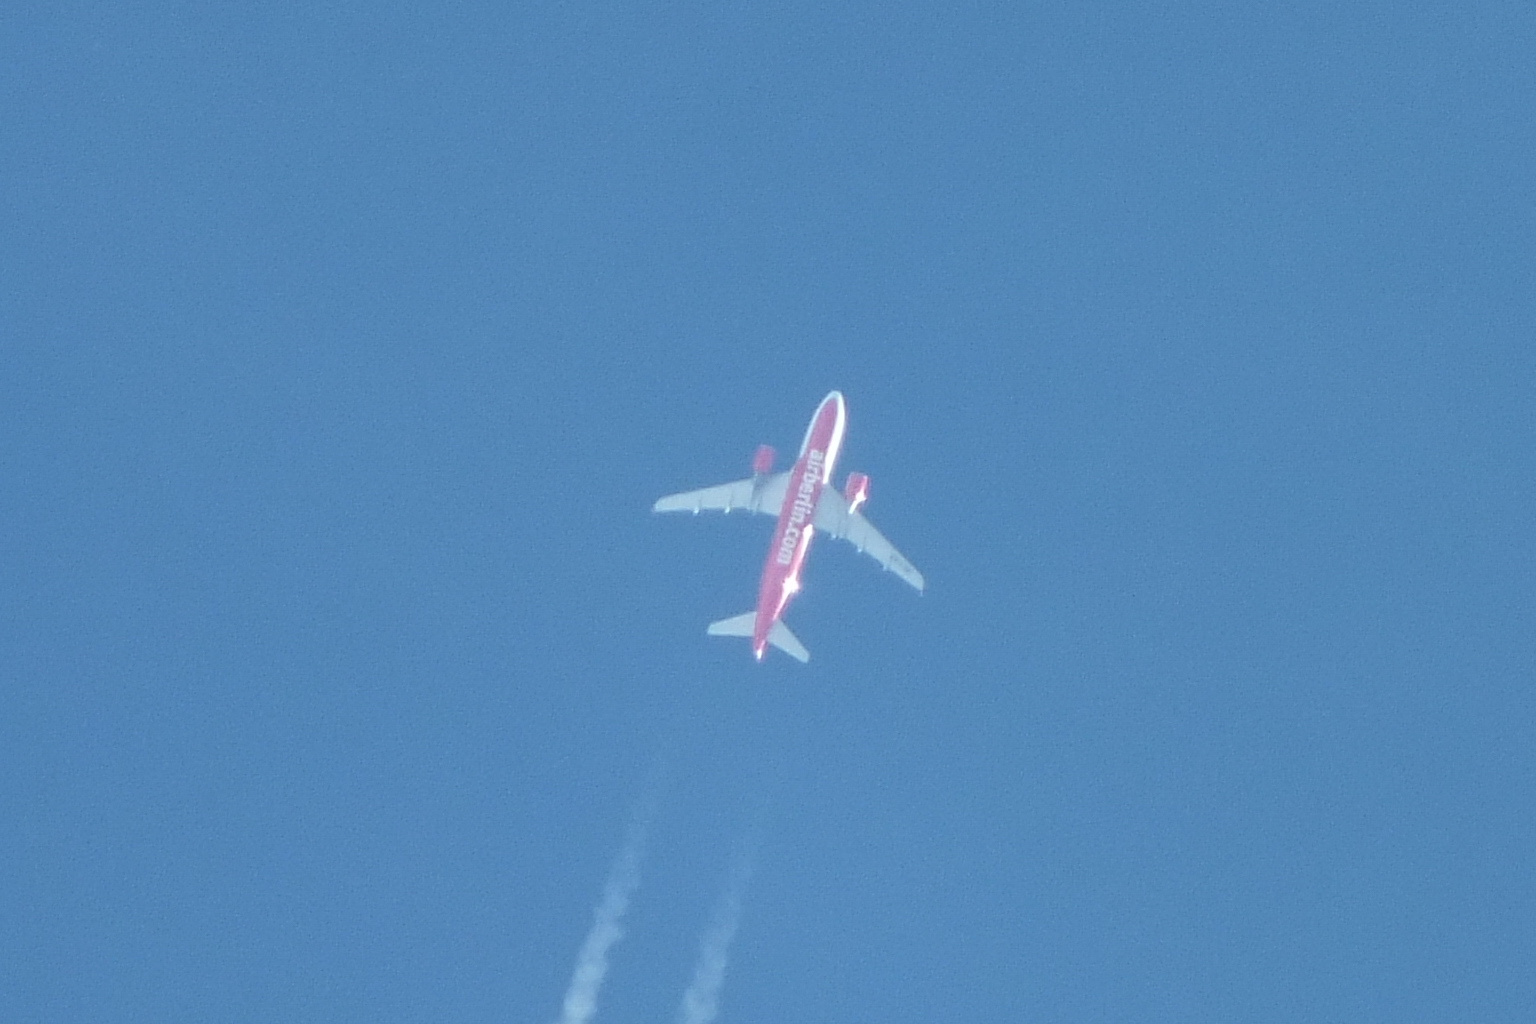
(794, 533)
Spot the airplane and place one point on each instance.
(804, 504)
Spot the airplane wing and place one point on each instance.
(756, 494)
(833, 517)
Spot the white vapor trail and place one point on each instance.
(592, 962)
(702, 999)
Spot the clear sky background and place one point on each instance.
(344, 347)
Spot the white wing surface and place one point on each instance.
(756, 494)
(833, 517)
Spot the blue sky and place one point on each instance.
(343, 348)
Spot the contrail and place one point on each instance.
(592, 961)
(702, 999)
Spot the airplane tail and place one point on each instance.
(779, 635)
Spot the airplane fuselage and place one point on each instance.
(794, 533)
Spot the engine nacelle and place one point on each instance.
(856, 491)
(762, 460)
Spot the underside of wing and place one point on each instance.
(833, 517)
(764, 494)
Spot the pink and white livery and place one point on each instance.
(804, 504)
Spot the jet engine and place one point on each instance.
(762, 460)
(856, 491)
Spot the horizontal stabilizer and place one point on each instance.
(779, 635)
(736, 625)
(784, 640)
